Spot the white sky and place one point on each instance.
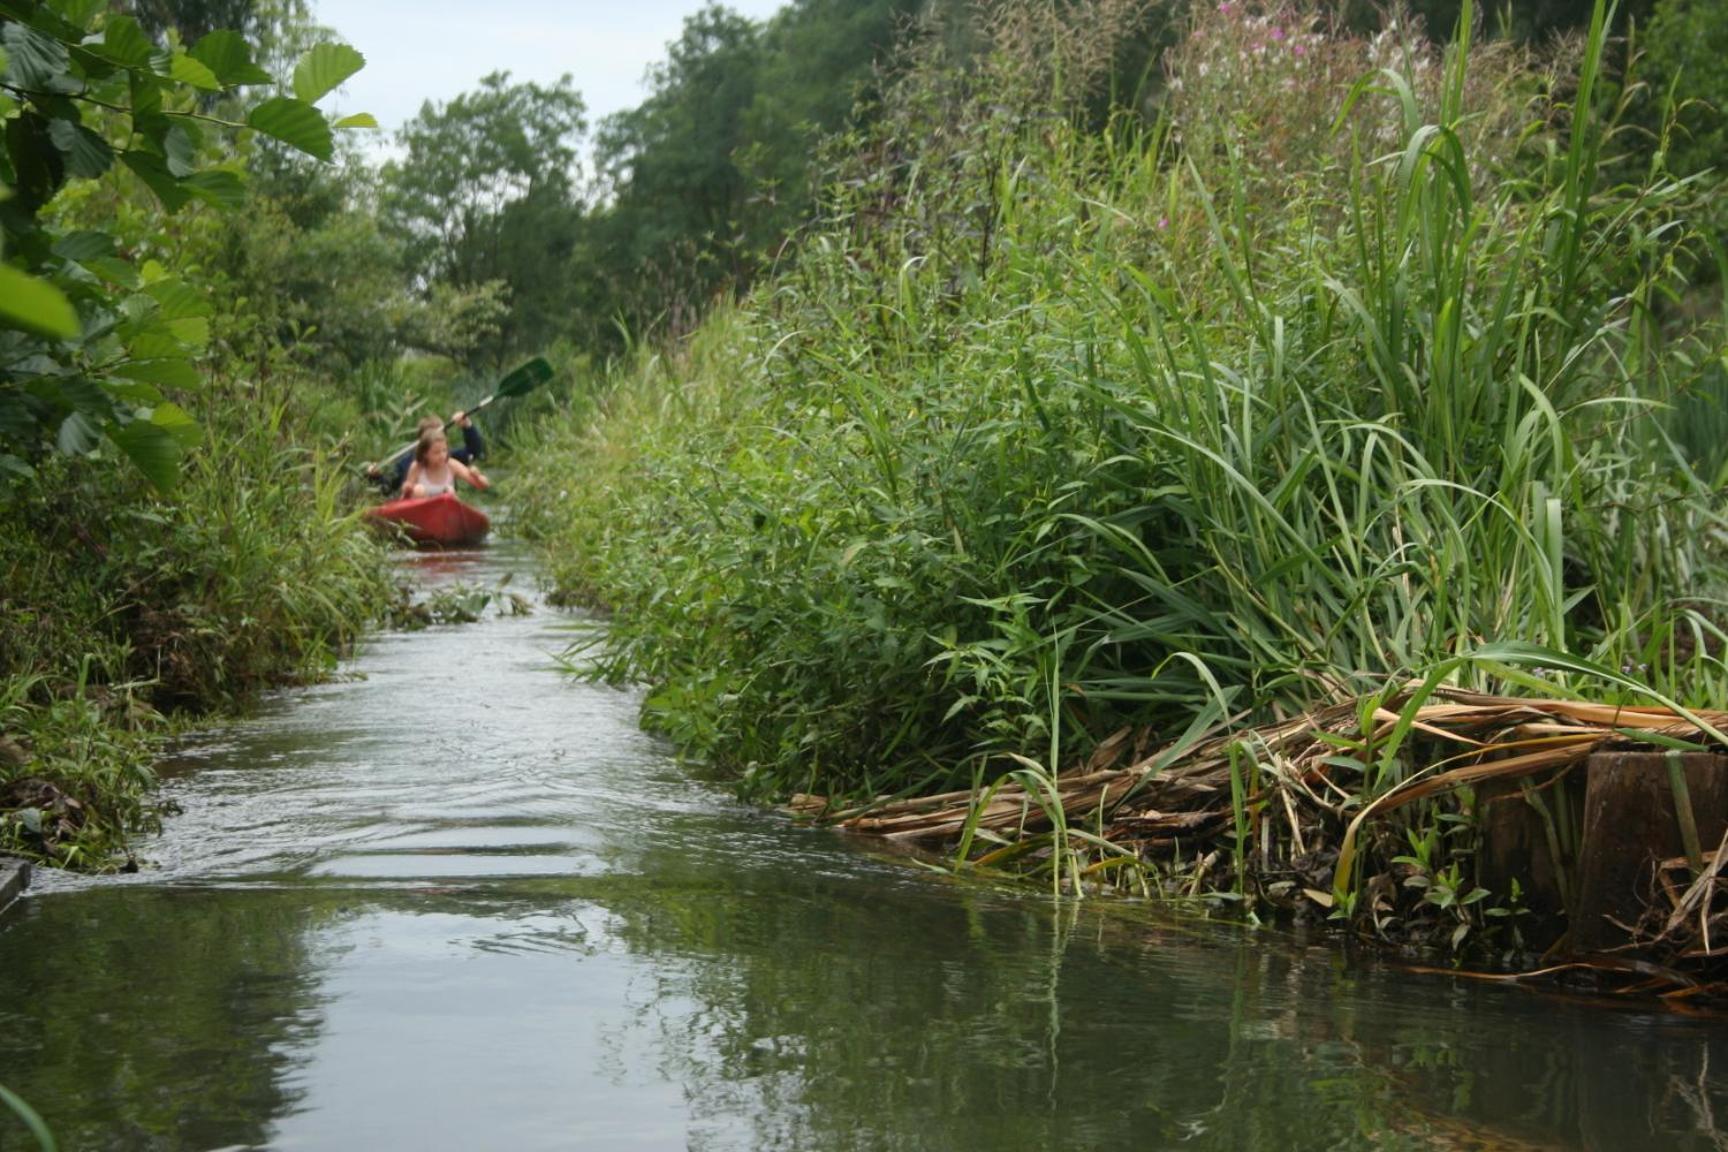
(418, 50)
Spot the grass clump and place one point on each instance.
(122, 610)
(1349, 365)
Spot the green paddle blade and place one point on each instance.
(524, 379)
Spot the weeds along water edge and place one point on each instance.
(1359, 363)
(127, 615)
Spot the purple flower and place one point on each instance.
(1277, 32)
(1299, 48)
(1226, 8)
(1163, 223)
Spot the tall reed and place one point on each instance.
(1045, 431)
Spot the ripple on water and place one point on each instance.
(455, 901)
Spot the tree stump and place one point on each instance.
(1630, 824)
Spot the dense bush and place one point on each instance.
(1344, 368)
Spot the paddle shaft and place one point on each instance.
(448, 424)
(523, 380)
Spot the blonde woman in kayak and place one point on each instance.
(434, 473)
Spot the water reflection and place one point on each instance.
(459, 903)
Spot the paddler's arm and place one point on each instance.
(471, 474)
(408, 480)
(472, 446)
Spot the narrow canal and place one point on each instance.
(456, 901)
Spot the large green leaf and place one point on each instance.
(87, 154)
(153, 170)
(171, 372)
(323, 69)
(194, 331)
(296, 124)
(133, 392)
(178, 423)
(78, 434)
(37, 61)
(180, 149)
(113, 270)
(35, 305)
(218, 187)
(123, 42)
(176, 300)
(154, 449)
(38, 169)
(227, 54)
(78, 13)
(191, 70)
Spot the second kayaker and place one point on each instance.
(390, 480)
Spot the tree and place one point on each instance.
(90, 339)
(487, 191)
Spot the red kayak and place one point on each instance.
(442, 520)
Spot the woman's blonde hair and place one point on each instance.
(428, 438)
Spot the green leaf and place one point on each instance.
(35, 305)
(178, 423)
(146, 91)
(38, 169)
(155, 450)
(153, 170)
(74, 393)
(123, 42)
(194, 331)
(78, 13)
(155, 344)
(323, 69)
(37, 61)
(227, 54)
(87, 154)
(134, 392)
(78, 434)
(177, 300)
(190, 70)
(170, 372)
(84, 245)
(296, 124)
(113, 270)
(358, 120)
(218, 188)
(180, 150)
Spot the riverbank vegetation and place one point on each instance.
(1366, 360)
(956, 401)
(155, 563)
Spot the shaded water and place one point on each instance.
(459, 902)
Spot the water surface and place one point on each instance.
(454, 900)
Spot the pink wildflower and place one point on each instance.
(1299, 48)
(1163, 223)
(1277, 32)
(1226, 8)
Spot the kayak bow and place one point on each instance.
(442, 520)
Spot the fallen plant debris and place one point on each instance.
(1329, 812)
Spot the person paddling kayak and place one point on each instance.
(390, 478)
(434, 471)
